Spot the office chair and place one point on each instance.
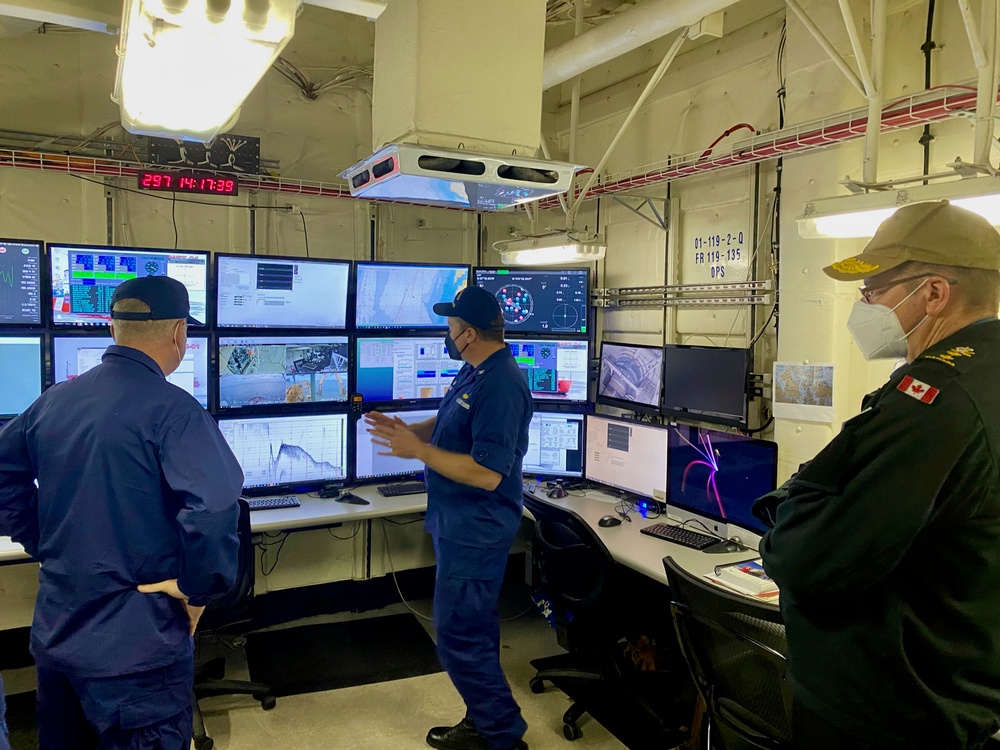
(577, 573)
(223, 613)
(734, 647)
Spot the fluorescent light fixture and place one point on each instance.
(860, 215)
(186, 66)
(551, 250)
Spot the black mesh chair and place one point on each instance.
(734, 647)
(226, 613)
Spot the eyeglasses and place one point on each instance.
(870, 293)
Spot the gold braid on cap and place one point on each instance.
(853, 265)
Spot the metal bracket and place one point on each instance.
(659, 221)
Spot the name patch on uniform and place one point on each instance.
(916, 389)
(463, 404)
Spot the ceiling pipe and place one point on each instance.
(645, 23)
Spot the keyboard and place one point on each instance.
(677, 535)
(270, 503)
(401, 488)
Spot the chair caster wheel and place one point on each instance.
(206, 744)
(571, 732)
(537, 686)
(267, 702)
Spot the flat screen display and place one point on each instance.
(20, 373)
(555, 445)
(84, 278)
(72, 356)
(269, 370)
(294, 451)
(20, 283)
(539, 300)
(368, 464)
(259, 291)
(626, 455)
(402, 295)
(706, 383)
(556, 369)
(403, 369)
(631, 376)
(719, 474)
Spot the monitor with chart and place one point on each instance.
(401, 295)
(556, 369)
(369, 464)
(20, 373)
(289, 452)
(706, 383)
(627, 455)
(262, 291)
(399, 368)
(267, 370)
(84, 278)
(630, 377)
(72, 356)
(555, 445)
(20, 282)
(720, 474)
(539, 300)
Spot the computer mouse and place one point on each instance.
(557, 492)
(609, 521)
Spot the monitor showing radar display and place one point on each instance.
(630, 377)
(403, 369)
(555, 445)
(402, 295)
(20, 283)
(20, 373)
(556, 369)
(369, 464)
(539, 300)
(266, 370)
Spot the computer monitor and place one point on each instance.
(627, 455)
(84, 278)
(706, 383)
(20, 373)
(536, 300)
(20, 282)
(555, 445)
(273, 291)
(401, 295)
(289, 452)
(556, 369)
(403, 369)
(267, 370)
(720, 474)
(74, 355)
(631, 377)
(369, 465)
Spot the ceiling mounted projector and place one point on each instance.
(455, 178)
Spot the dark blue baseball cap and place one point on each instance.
(167, 299)
(475, 306)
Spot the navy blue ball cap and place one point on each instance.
(475, 306)
(167, 299)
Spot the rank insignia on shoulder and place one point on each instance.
(952, 354)
(918, 390)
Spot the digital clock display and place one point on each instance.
(188, 182)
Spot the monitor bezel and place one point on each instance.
(542, 400)
(620, 403)
(209, 285)
(382, 478)
(583, 445)
(367, 330)
(42, 375)
(729, 420)
(589, 322)
(407, 403)
(634, 422)
(44, 287)
(348, 303)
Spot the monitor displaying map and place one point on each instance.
(402, 295)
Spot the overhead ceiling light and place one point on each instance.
(860, 215)
(185, 67)
(550, 250)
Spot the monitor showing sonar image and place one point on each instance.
(631, 376)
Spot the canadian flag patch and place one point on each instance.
(916, 389)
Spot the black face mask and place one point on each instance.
(453, 351)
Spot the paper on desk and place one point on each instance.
(761, 596)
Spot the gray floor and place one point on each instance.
(396, 715)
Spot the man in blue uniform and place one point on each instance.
(473, 451)
(886, 546)
(133, 520)
(4, 742)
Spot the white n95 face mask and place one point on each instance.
(877, 331)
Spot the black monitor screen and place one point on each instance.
(20, 283)
(555, 445)
(20, 373)
(631, 376)
(707, 383)
(539, 300)
(288, 451)
(556, 370)
(84, 279)
(719, 474)
(369, 464)
(72, 356)
(402, 295)
(258, 291)
(403, 369)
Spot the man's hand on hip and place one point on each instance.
(171, 589)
